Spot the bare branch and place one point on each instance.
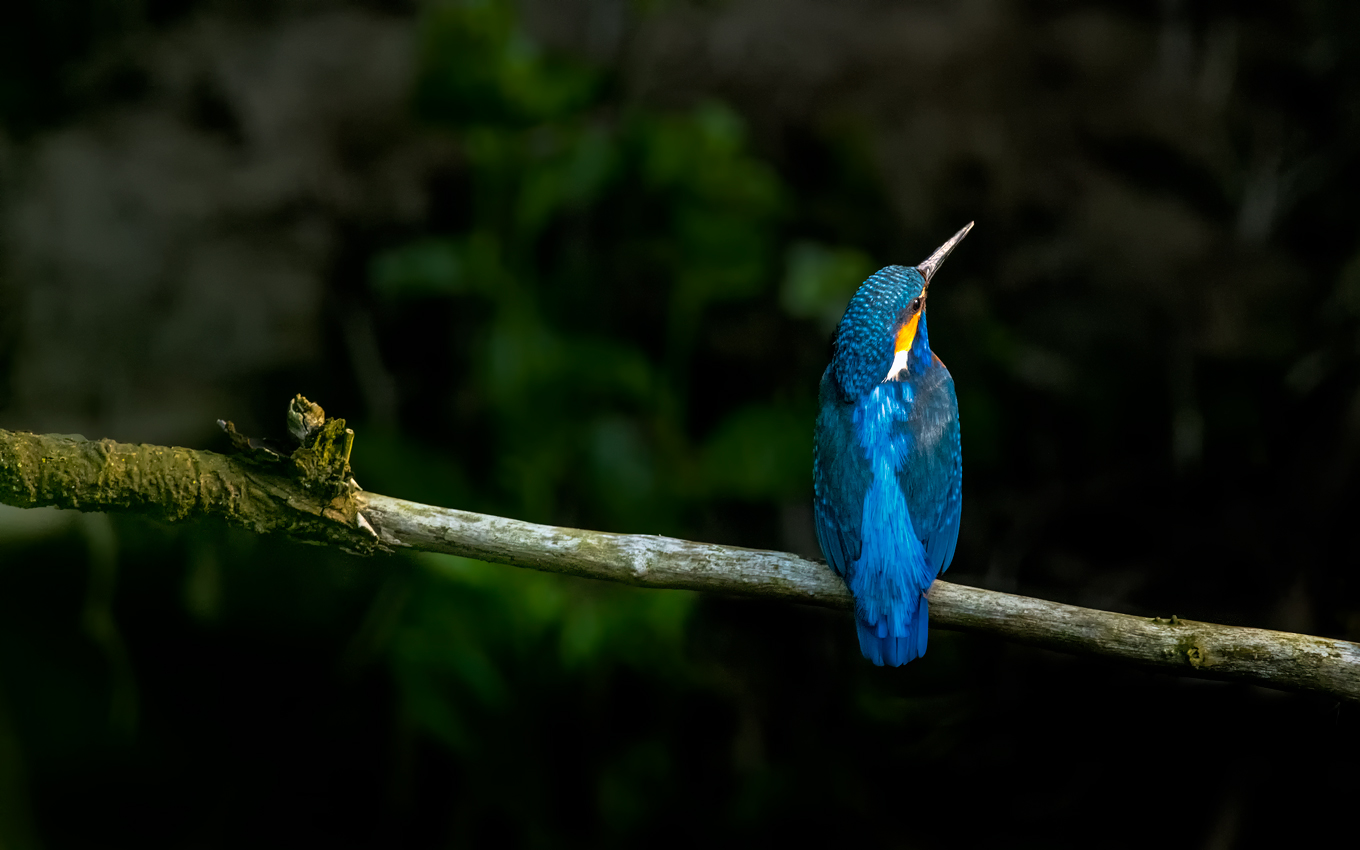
(177, 484)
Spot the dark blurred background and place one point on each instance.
(578, 262)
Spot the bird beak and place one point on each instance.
(906, 335)
(934, 261)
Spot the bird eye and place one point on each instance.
(916, 305)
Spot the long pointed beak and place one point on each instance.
(934, 261)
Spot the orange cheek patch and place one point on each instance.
(907, 335)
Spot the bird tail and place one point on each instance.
(882, 647)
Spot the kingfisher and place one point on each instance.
(887, 466)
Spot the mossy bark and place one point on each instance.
(174, 484)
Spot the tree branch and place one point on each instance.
(177, 484)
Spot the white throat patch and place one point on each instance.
(898, 365)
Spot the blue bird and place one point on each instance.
(888, 466)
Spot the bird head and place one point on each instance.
(883, 331)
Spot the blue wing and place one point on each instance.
(941, 542)
(840, 478)
(933, 477)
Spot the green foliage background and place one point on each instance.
(613, 314)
